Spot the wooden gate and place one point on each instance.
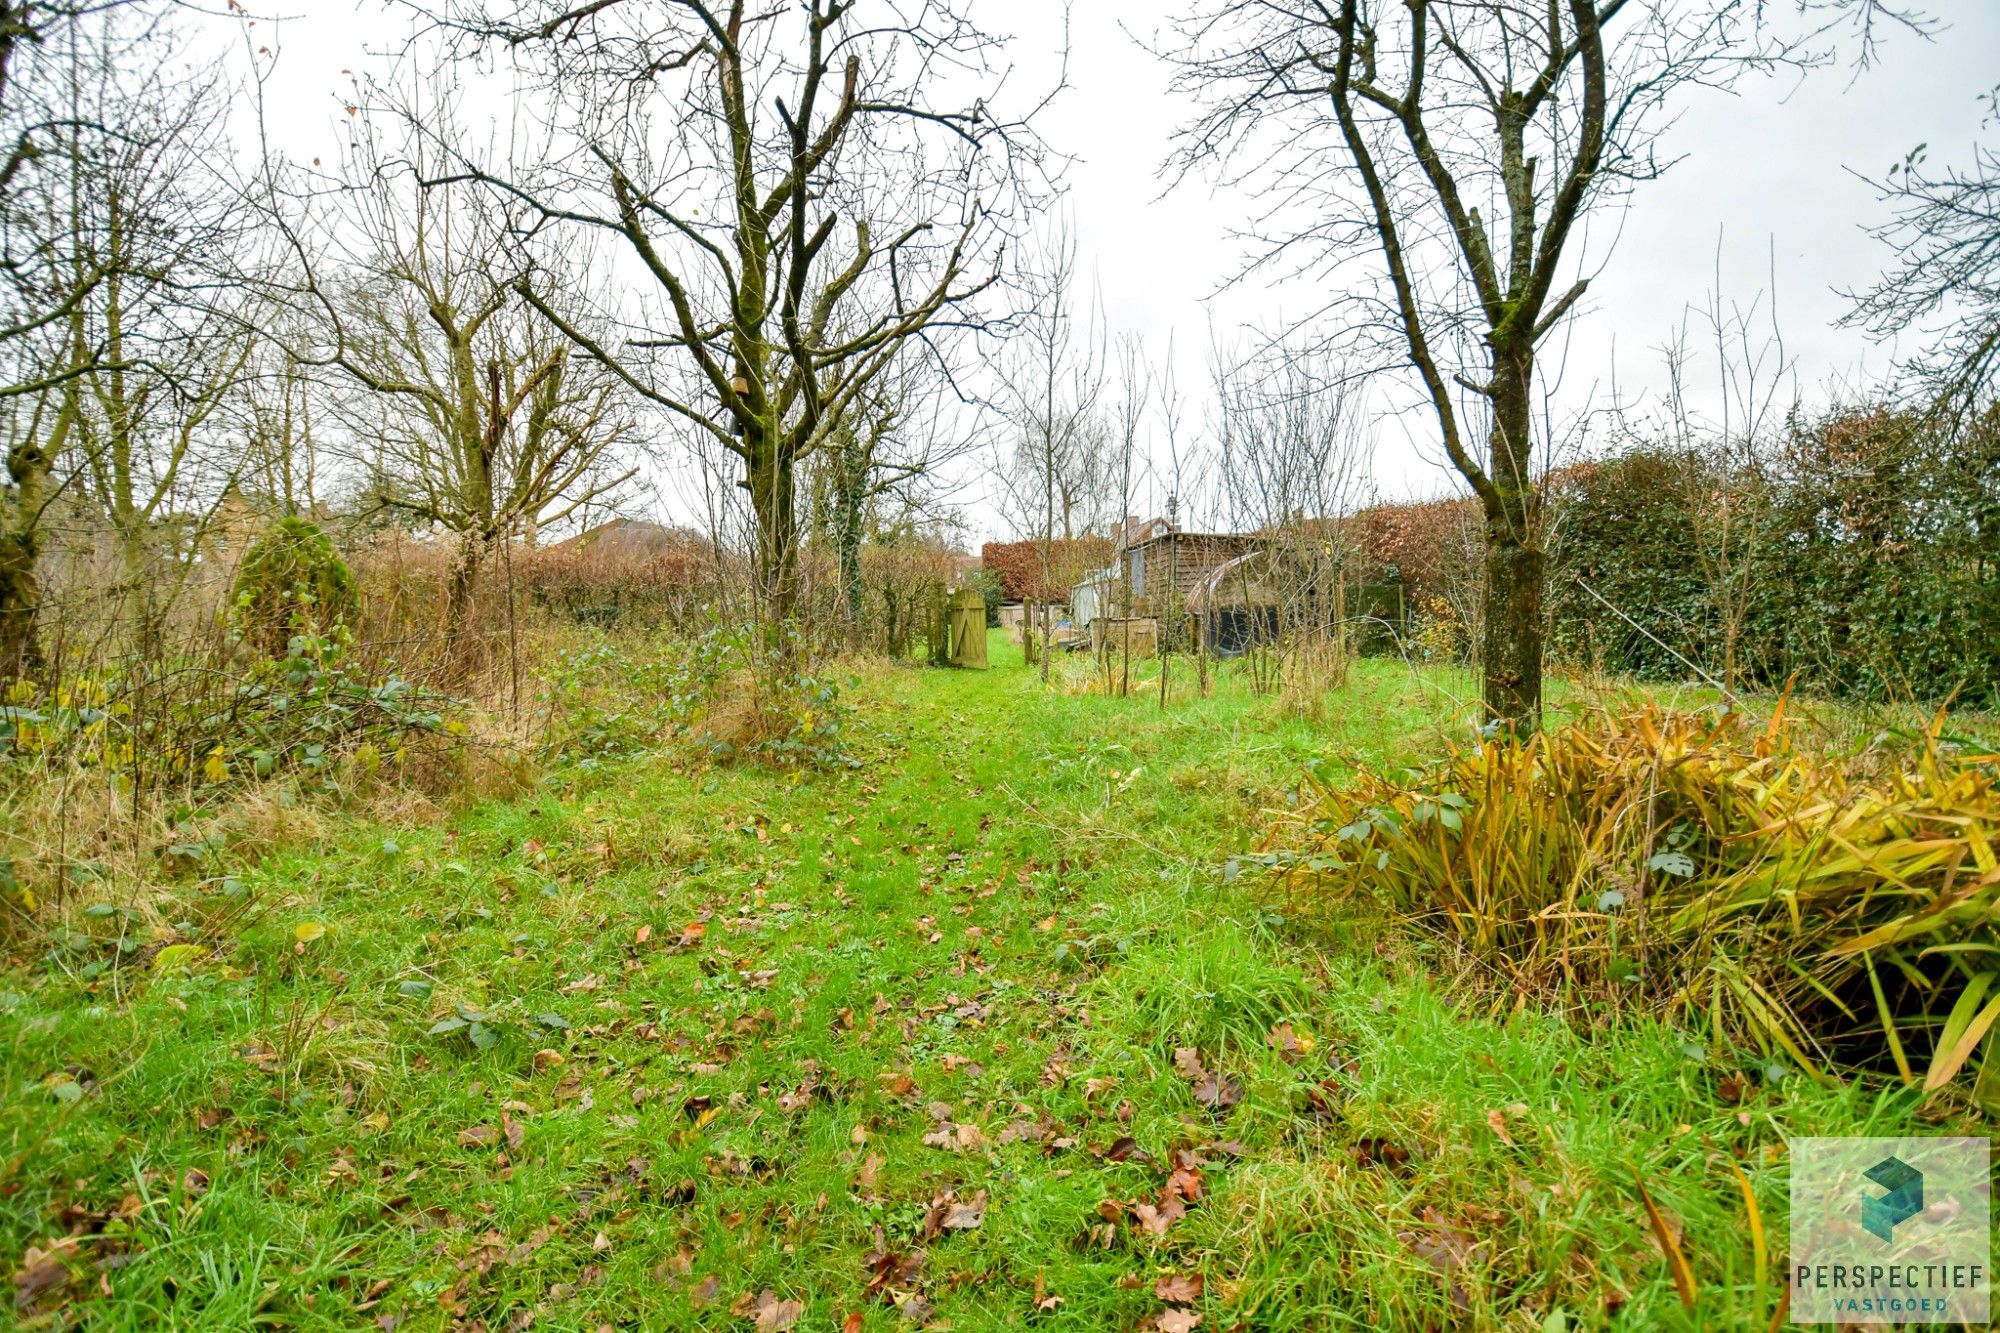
(967, 610)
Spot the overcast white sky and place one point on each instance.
(1767, 173)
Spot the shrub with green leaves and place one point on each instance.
(735, 695)
(292, 581)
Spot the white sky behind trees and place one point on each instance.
(1765, 200)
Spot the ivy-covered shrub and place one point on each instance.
(292, 582)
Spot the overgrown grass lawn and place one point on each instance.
(987, 1032)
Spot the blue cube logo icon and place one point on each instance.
(1903, 1199)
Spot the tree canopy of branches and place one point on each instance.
(472, 416)
(129, 323)
(1463, 143)
(1945, 229)
(1293, 468)
(805, 189)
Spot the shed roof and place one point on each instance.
(1232, 583)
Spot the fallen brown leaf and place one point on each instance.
(1291, 1046)
(1446, 1247)
(1218, 1092)
(771, 1314)
(966, 1215)
(1154, 1219)
(41, 1272)
(1375, 1150)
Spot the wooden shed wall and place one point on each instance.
(1178, 561)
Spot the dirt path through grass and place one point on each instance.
(980, 1033)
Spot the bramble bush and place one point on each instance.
(292, 582)
(724, 688)
(192, 725)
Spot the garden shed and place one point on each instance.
(1234, 606)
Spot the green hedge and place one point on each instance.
(1872, 542)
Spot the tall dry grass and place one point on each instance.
(1839, 910)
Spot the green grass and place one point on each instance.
(1012, 915)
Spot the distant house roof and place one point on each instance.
(630, 536)
(1135, 530)
(1240, 540)
(1238, 582)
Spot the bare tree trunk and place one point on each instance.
(1516, 565)
(20, 553)
(460, 586)
(1125, 677)
(850, 479)
(20, 644)
(773, 499)
(513, 632)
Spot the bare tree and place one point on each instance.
(806, 189)
(281, 451)
(1047, 390)
(125, 219)
(1945, 229)
(1463, 142)
(43, 132)
(1293, 465)
(175, 324)
(473, 417)
(889, 448)
(1721, 459)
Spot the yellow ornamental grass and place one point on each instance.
(1697, 864)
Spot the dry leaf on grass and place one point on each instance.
(948, 1212)
(1292, 1046)
(1155, 1219)
(1216, 1091)
(966, 1215)
(1446, 1247)
(769, 1314)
